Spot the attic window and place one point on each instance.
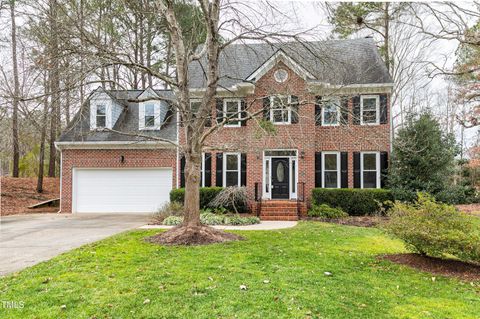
(280, 75)
(101, 116)
(149, 115)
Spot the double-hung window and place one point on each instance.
(231, 169)
(232, 109)
(331, 112)
(149, 115)
(370, 169)
(101, 116)
(369, 109)
(280, 110)
(331, 169)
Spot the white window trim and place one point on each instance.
(156, 113)
(377, 109)
(239, 165)
(289, 109)
(377, 161)
(337, 101)
(239, 112)
(202, 170)
(108, 114)
(339, 170)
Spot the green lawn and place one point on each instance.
(283, 270)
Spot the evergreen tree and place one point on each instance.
(423, 158)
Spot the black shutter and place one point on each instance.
(182, 171)
(383, 169)
(243, 113)
(219, 106)
(208, 169)
(356, 110)
(243, 167)
(318, 169)
(344, 169)
(266, 108)
(356, 170)
(383, 109)
(219, 172)
(318, 110)
(344, 110)
(294, 107)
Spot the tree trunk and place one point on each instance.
(387, 35)
(54, 88)
(41, 160)
(192, 189)
(16, 93)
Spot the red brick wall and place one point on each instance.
(110, 158)
(305, 136)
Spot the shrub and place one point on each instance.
(434, 229)
(207, 194)
(168, 209)
(326, 211)
(208, 218)
(355, 202)
(173, 220)
(231, 198)
(456, 194)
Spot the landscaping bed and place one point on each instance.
(19, 193)
(438, 266)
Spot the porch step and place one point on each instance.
(279, 210)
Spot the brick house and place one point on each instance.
(320, 117)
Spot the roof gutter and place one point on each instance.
(319, 86)
(115, 145)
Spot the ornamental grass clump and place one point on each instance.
(435, 229)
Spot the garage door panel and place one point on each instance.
(121, 190)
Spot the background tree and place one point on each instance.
(423, 158)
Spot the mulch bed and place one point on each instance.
(473, 209)
(359, 221)
(19, 193)
(192, 236)
(444, 267)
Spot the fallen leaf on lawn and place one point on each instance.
(327, 273)
(46, 280)
(243, 287)
(210, 278)
(63, 307)
(266, 281)
(433, 278)
(146, 301)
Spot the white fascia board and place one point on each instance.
(318, 86)
(148, 93)
(114, 145)
(273, 60)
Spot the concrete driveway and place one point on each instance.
(26, 240)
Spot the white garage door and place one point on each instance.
(120, 190)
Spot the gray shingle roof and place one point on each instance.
(337, 62)
(79, 129)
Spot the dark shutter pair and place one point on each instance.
(243, 111)
(219, 170)
(343, 169)
(383, 109)
(357, 170)
(207, 168)
(344, 110)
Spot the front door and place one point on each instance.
(280, 178)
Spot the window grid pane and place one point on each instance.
(232, 170)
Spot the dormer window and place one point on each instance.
(101, 116)
(149, 115)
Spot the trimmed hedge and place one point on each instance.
(207, 194)
(354, 201)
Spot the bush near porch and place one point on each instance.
(355, 202)
(207, 194)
